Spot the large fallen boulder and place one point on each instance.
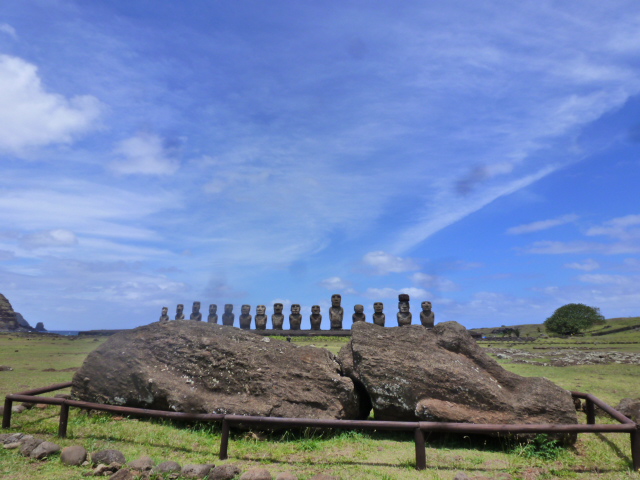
(442, 375)
(200, 367)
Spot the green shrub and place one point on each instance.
(573, 318)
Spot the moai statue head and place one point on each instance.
(427, 317)
(260, 309)
(213, 309)
(315, 309)
(164, 316)
(403, 303)
(196, 307)
(378, 316)
(245, 309)
(165, 311)
(277, 308)
(336, 300)
(179, 309)
(378, 307)
(295, 308)
(228, 308)
(404, 315)
(358, 308)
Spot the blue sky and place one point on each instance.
(480, 155)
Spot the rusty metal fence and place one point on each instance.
(417, 428)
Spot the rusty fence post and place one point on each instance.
(224, 440)
(591, 412)
(64, 420)
(635, 449)
(6, 416)
(421, 449)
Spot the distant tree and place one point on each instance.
(516, 331)
(573, 318)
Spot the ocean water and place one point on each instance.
(64, 332)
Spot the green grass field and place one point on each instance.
(40, 360)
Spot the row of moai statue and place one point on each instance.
(336, 315)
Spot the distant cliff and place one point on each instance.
(11, 321)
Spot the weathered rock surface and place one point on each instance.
(224, 472)
(202, 367)
(142, 464)
(108, 457)
(256, 473)
(73, 455)
(630, 407)
(442, 375)
(8, 320)
(28, 443)
(167, 467)
(44, 450)
(197, 470)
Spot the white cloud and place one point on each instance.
(334, 283)
(50, 238)
(434, 281)
(588, 265)
(542, 225)
(32, 117)
(603, 279)
(144, 154)
(560, 248)
(383, 263)
(9, 30)
(619, 228)
(417, 294)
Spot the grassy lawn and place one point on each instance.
(42, 360)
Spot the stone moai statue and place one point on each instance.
(228, 316)
(427, 317)
(295, 319)
(245, 317)
(316, 318)
(164, 316)
(336, 312)
(180, 312)
(195, 312)
(378, 315)
(277, 319)
(261, 317)
(358, 315)
(213, 313)
(404, 315)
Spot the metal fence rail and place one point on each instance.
(418, 428)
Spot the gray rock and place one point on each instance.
(11, 437)
(224, 472)
(124, 474)
(630, 407)
(442, 375)
(18, 409)
(108, 457)
(461, 476)
(142, 464)
(256, 473)
(12, 446)
(167, 467)
(73, 455)
(5, 368)
(28, 443)
(286, 476)
(45, 449)
(204, 367)
(197, 470)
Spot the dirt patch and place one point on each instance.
(70, 369)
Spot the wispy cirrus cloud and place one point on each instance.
(383, 263)
(542, 225)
